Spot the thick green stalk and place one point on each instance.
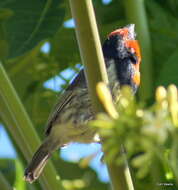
(136, 14)
(92, 58)
(89, 44)
(19, 125)
(4, 184)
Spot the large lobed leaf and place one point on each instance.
(30, 22)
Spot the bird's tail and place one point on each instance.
(38, 162)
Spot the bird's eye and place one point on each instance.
(133, 58)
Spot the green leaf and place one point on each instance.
(31, 22)
(64, 49)
(168, 72)
(163, 27)
(4, 183)
(7, 168)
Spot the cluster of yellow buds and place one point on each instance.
(165, 99)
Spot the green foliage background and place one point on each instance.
(24, 28)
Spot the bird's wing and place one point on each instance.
(79, 82)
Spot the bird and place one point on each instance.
(68, 120)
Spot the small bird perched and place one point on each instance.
(68, 121)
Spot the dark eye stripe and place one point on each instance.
(133, 58)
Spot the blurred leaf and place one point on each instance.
(164, 28)
(111, 19)
(71, 171)
(7, 167)
(30, 22)
(168, 72)
(64, 49)
(4, 184)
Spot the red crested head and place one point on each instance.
(127, 32)
(122, 47)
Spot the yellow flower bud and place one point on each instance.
(161, 94)
(106, 99)
(173, 103)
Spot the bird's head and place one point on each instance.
(123, 49)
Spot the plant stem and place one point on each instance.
(136, 14)
(20, 126)
(92, 58)
(89, 45)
